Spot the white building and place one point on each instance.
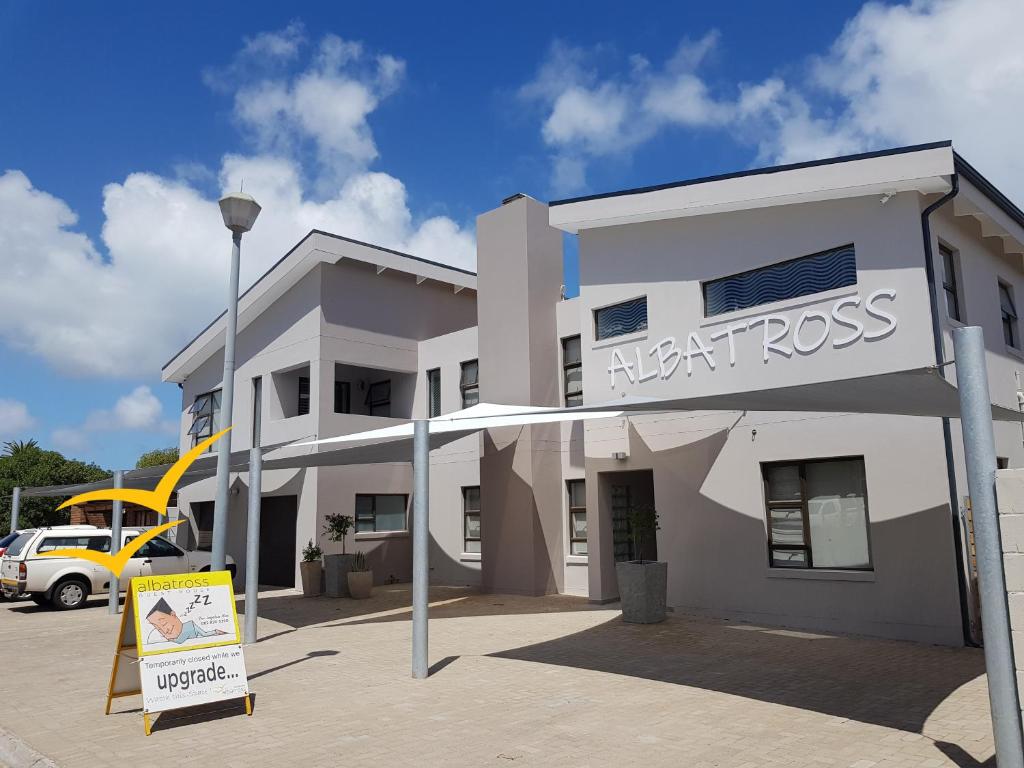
(780, 276)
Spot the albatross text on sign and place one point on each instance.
(779, 337)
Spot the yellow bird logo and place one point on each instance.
(156, 500)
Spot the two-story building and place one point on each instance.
(790, 275)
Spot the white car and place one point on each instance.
(66, 582)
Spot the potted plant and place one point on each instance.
(311, 570)
(643, 584)
(336, 567)
(360, 578)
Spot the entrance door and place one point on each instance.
(622, 544)
(277, 540)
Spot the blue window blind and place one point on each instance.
(790, 279)
(627, 317)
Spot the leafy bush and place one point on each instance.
(336, 528)
(312, 553)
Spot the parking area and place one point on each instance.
(515, 681)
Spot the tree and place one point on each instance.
(26, 465)
(157, 457)
(13, 447)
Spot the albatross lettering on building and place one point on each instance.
(807, 335)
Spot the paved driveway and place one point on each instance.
(516, 682)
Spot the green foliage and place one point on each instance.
(157, 457)
(311, 553)
(359, 563)
(24, 464)
(643, 525)
(336, 527)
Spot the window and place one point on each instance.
(378, 398)
(156, 548)
(205, 412)
(577, 517)
(469, 383)
(817, 514)
(95, 543)
(342, 397)
(949, 282)
(302, 408)
(380, 512)
(572, 371)
(788, 280)
(618, 319)
(471, 519)
(257, 410)
(1008, 308)
(433, 393)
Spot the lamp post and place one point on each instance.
(239, 211)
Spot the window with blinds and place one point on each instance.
(572, 371)
(303, 404)
(471, 519)
(433, 393)
(469, 383)
(620, 319)
(836, 268)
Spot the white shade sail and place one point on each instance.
(916, 392)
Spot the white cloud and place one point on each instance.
(14, 418)
(124, 306)
(903, 74)
(139, 410)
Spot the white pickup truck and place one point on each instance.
(66, 582)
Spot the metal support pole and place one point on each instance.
(252, 544)
(218, 552)
(15, 508)
(420, 553)
(980, 454)
(116, 516)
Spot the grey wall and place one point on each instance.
(519, 258)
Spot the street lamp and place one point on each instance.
(239, 211)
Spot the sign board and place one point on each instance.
(847, 323)
(179, 643)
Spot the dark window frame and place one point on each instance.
(1008, 317)
(808, 546)
(356, 518)
(207, 412)
(433, 388)
(467, 512)
(257, 411)
(302, 403)
(569, 398)
(777, 265)
(342, 396)
(373, 404)
(573, 538)
(951, 282)
(469, 387)
(596, 315)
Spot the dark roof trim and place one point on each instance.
(294, 248)
(759, 171)
(987, 188)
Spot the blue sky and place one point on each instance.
(400, 126)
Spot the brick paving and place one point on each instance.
(517, 682)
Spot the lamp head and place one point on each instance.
(239, 211)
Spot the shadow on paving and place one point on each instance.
(394, 603)
(889, 683)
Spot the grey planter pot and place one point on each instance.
(642, 589)
(310, 573)
(336, 568)
(360, 584)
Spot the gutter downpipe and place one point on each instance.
(947, 439)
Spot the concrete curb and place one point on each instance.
(15, 753)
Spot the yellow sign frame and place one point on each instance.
(129, 638)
